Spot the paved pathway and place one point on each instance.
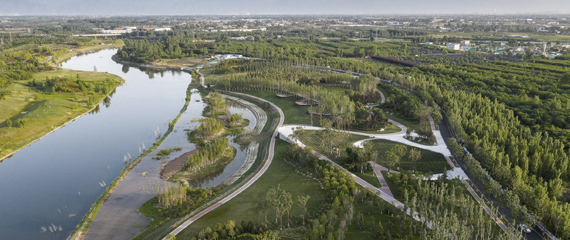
(378, 171)
(246, 185)
(202, 80)
(382, 96)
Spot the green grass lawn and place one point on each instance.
(430, 162)
(390, 129)
(244, 206)
(294, 114)
(393, 115)
(313, 139)
(44, 110)
(369, 177)
(389, 223)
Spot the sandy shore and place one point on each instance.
(176, 165)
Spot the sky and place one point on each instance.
(228, 7)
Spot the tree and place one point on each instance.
(379, 231)
(8, 123)
(94, 68)
(263, 208)
(287, 204)
(395, 154)
(360, 220)
(415, 155)
(171, 236)
(302, 203)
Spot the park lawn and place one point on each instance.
(369, 177)
(336, 89)
(355, 232)
(312, 138)
(390, 129)
(14, 103)
(244, 206)
(393, 115)
(294, 114)
(181, 62)
(44, 111)
(430, 162)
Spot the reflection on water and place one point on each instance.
(56, 179)
(221, 175)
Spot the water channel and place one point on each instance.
(55, 180)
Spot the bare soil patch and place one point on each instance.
(176, 165)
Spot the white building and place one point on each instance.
(465, 43)
(115, 31)
(160, 29)
(453, 46)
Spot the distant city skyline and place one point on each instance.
(259, 7)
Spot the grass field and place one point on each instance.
(390, 129)
(294, 114)
(244, 205)
(430, 162)
(369, 177)
(182, 62)
(42, 111)
(393, 115)
(313, 139)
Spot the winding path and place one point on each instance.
(250, 182)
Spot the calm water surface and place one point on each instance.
(54, 181)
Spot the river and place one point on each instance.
(55, 180)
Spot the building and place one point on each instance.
(115, 31)
(465, 43)
(453, 46)
(161, 29)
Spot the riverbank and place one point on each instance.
(168, 169)
(140, 65)
(35, 114)
(85, 49)
(83, 226)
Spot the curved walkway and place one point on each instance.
(246, 185)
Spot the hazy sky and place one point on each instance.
(193, 7)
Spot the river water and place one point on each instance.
(55, 180)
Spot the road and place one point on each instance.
(486, 208)
(248, 183)
(533, 235)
